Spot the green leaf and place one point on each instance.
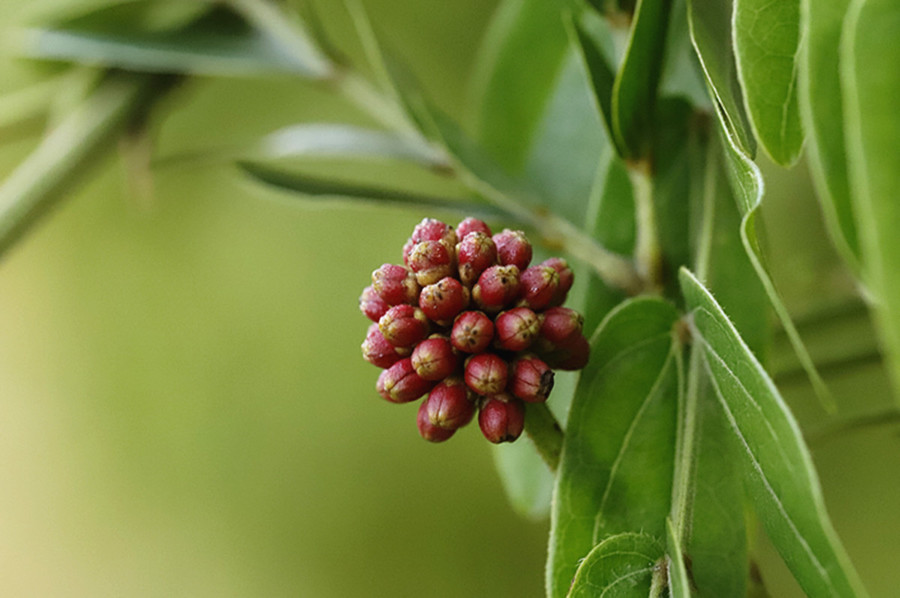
(217, 43)
(634, 90)
(823, 117)
(297, 182)
(870, 87)
(615, 472)
(682, 75)
(679, 585)
(526, 479)
(623, 565)
(778, 469)
(766, 38)
(590, 35)
(64, 154)
(710, 27)
(515, 76)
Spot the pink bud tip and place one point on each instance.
(517, 328)
(475, 254)
(428, 430)
(401, 384)
(443, 300)
(395, 284)
(513, 248)
(566, 278)
(502, 419)
(472, 332)
(532, 379)
(431, 261)
(497, 287)
(377, 350)
(471, 225)
(404, 325)
(486, 373)
(449, 404)
(560, 325)
(434, 358)
(539, 286)
(371, 305)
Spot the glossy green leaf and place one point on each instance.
(217, 43)
(710, 28)
(615, 473)
(634, 90)
(682, 75)
(823, 117)
(778, 469)
(766, 40)
(623, 565)
(871, 86)
(522, 55)
(679, 585)
(312, 186)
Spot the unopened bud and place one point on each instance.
(430, 230)
(395, 284)
(531, 379)
(566, 278)
(449, 404)
(539, 286)
(471, 225)
(431, 261)
(497, 287)
(516, 329)
(486, 373)
(403, 325)
(434, 359)
(443, 300)
(513, 248)
(377, 350)
(371, 305)
(475, 254)
(560, 325)
(502, 418)
(428, 430)
(578, 352)
(401, 384)
(472, 332)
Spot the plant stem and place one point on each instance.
(545, 432)
(34, 187)
(683, 477)
(648, 257)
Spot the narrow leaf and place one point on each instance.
(623, 565)
(778, 469)
(870, 88)
(615, 472)
(634, 90)
(710, 27)
(766, 39)
(218, 43)
(823, 117)
(679, 585)
(589, 34)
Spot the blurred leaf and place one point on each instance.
(65, 152)
(515, 75)
(591, 34)
(679, 586)
(871, 86)
(823, 117)
(634, 91)
(527, 480)
(766, 37)
(622, 565)
(778, 468)
(710, 27)
(682, 74)
(615, 473)
(313, 186)
(217, 43)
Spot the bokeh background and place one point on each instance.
(183, 407)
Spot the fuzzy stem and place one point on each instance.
(648, 257)
(545, 433)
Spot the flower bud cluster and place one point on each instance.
(469, 322)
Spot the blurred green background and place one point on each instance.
(184, 407)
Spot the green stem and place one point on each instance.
(545, 432)
(39, 181)
(683, 478)
(647, 255)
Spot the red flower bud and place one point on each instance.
(471, 225)
(561, 324)
(502, 418)
(497, 287)
(475, 254)
(472, 332)
(513, 248)
(539, 286)
(531, 379)
(428, 430)
(443, 300)
(486, 373)
(377, 350)
(449, 404)
(401, 384)
(395, 284)
(517, 328)
(431, 261)
(434, 359)
(372, 306)
(566, 278)
(403, 325)
(578, 353)
(430, 230)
